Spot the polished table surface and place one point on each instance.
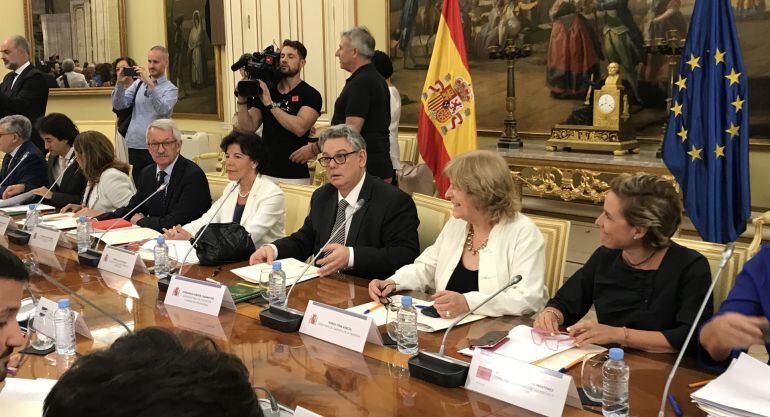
(301, 370)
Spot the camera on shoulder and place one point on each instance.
(263, 66)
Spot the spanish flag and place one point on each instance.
(447, 123)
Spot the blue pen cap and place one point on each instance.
(406, 301)
(276, 265)
(64, 303)
(616, 354)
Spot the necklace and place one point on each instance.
(243, 195)
(644, 261)
(469, 242)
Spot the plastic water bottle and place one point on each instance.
(64, 328)
(33, 217)
(276, 285)
(84, 234)
(615, 385)
(407, 327)
(161, 257)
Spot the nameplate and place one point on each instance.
(4, 222)
(202, 296)
(304, 412)
(44, 323)
(120, 261)
(44, 237)
(341, 327)
(524, 385)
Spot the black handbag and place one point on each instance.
(124, 115)
(224, 243)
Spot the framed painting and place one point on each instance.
(194, 63)
(571, 41)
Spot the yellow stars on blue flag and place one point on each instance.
(694, 62)
(695, 153)
(719, 151)
(733, 131)
(738, 104)
(682, 134)
(682, 83)
(719, 57)
(677, 109)
(733, 77)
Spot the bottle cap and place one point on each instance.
(276, 265)
(616, 354)
(32, 206)
(82, 219)
(406, 301)
(64, 303)
(161, 240)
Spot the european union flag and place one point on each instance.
(706, 145)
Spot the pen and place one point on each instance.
(420, 306)
(699, 384)
(674, 405)
(376, 306)
(570, 365)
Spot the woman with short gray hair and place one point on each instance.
(70, 78)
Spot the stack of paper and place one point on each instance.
(521, 346)
(127, 235)
(16, 210)
(24, 397)
(743, 390)
(60, 221)
(424, 323)
(177, 249)
(259, 273)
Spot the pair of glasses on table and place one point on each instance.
(553, 342)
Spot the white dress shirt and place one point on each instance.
(18, 72)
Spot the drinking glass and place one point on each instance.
(591, 376)
(391, 319)
(37, 339)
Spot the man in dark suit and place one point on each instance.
(24, 90)
(186, 196)
(23, 163)
(382, 234)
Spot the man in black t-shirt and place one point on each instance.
(286, 112)
(364, 102)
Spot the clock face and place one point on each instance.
(606, 103)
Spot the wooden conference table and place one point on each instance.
(301, 370)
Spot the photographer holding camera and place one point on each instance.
(286, 110)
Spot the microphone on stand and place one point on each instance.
(443, 370)
(727, 253)
(21, 236)
(163, 282)
(92, 256)
(33, 269)
(23, 157)
(288, 320)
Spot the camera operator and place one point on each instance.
(286, 111)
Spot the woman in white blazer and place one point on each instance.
(109, 186)
(487, 243)
(257, 204)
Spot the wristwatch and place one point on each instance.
(269, 106)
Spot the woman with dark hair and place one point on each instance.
(58, 133)
(102, 75)
(109, 186)
(257, 204)
(121, 62)
(121, 149)
(646, 289)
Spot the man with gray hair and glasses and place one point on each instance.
(374, 242)
(24, 89)
(364, 102)
(23, 163)
(186, 196)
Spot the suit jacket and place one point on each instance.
(185, 199)
(29, 97)
(383, 233)
(73, 184)
(32, 172)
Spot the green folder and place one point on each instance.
(243, 293)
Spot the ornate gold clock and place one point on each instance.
(609, 131)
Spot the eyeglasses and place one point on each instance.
(542, 337)
(165, 144)
(340, 158)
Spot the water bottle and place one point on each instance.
(161, 258)
(84, 234)
(407, 327)
(615, 374)
(33, 217)
(276, 285)
(64, 329)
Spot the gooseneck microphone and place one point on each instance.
(92, 256)
(23, 157)
(58, 178)
(727, 253)
(35, 270)
(18, 236)
(288, 320)
(443, 370)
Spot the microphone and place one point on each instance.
(727, 253)
(23, 157)
(269, 406)
(288, 320)
(163, 282)
(34, 269)
(92, 256)
(61, 175)
(443, 370)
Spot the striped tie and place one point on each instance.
(339, 237)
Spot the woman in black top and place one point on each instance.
(645, 288)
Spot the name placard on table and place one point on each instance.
(522, 384)
(43, 321)
(197, 295)
(120, 261)
(44, 237)
(4, 222)
(341, 327)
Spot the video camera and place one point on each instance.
(263, 66)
